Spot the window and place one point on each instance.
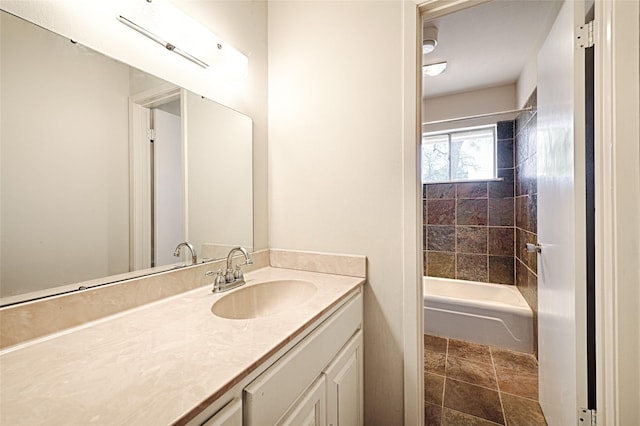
(467, 154)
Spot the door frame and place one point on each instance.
(413, 341)
(617, 191)
(413, 262)
(617, 230)
(140, 204)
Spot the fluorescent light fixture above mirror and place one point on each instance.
(432, 70)
(165, 24)
(161, 42)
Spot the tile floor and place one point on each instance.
(476, 385)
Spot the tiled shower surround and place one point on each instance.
(469, 229)
(479, 230)
(526, 190)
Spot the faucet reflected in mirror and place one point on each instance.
(230, 279)
(192, 249)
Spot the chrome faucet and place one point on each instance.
(230, 279)
(194, 255)
(230, 275)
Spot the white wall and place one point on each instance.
(474, 102)
(80, 207)
(528, 79)
(337, 116)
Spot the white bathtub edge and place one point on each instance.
(489, 322)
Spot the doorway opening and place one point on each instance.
(157, 200)
(482, 66)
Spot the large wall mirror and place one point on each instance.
(105, 169)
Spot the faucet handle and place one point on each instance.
(238, 272)
(218, 280)
(245, 263)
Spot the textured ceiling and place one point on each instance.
(487, 45)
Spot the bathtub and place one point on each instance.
(489, 314)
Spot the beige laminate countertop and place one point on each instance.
(154, 364)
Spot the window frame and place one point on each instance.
(449, 133)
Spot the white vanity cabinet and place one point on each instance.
(335, 398)
(230, 415)
(310, 409)
(314, 381)
(345, 385)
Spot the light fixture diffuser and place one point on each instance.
(429, 40)
(160, 41)
(428, 46)
(432, 70)
(170, 27)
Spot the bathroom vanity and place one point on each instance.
(176, 362)
(127, 337)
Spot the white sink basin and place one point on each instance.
(264, 299)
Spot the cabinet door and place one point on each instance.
(344, 385)
(310, 409)
(230, 415)
(271, 395)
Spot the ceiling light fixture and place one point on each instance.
(429, 40)
(434, 69)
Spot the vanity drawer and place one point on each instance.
(268, 397)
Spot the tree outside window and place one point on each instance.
(467, 154)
